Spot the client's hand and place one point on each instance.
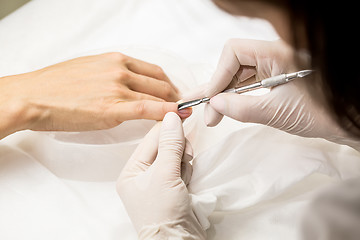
(151, 187)
(88, 93)
(288, 107)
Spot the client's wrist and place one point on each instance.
(16, 112)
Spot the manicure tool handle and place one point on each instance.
(275, 81)
(244, 88)
(266, 83)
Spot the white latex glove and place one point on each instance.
(151, 187)
(287, 107)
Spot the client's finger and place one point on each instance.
(134, 96)
(148, 69)
(153, 87)
(147, 109)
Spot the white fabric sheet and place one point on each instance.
(256, 182)
(249, 181)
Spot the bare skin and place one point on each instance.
(87, 93)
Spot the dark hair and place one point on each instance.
(331, 35)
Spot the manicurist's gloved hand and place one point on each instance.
(152, 185)
(288, 107)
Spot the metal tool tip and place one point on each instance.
(193, 103)
(182, 106)
(304, 73)
(189, 104)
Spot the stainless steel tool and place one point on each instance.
(266, 83)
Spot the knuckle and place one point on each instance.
(117, 56)
(121, 75)
(124, 93)
(140, 108)
(159, 72)
(167, 90)
(165, 108)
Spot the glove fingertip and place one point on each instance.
(211, 116)
(171, 121)
(218, 103)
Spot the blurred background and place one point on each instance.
(8, 6)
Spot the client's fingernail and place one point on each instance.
(184, 113)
